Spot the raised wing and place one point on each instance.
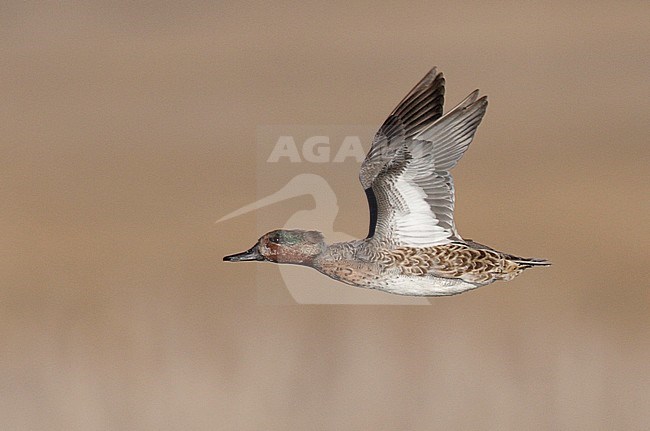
(419, 109)
(406, 172)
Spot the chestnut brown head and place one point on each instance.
(284, 246)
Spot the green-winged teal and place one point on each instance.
(412, 247)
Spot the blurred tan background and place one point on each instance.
(127, 130)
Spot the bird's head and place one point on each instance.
(284, 246)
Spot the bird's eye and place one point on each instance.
(275, 239)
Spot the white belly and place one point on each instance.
(426, 286)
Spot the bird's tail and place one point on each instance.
(528, 262)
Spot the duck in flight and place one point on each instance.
(412, 246)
